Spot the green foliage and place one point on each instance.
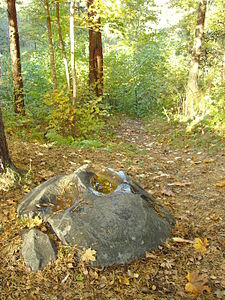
(89, 117)
(145, 68)
(87, 144)
(53, 136)
(134, 82)
(216, 117)
(61, 112)
(85, 120)
(56, 138)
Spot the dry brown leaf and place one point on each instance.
(70, 265)
(214, 217)
(201, 245)
(181, 240)
(89, 255)
(132, 274)
(208, 161)
(221, 184)
(123, 279)
(167, 192)
(149, 255)
(33, 222)
(196, 283)
(93, 274)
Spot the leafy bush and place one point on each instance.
(84, 120)
(53, 136)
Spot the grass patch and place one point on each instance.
(87, 144)
(177, 135)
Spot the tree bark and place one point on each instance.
(62, 45)
(5, 160)
(73, 67)
(95, 51)
(15, 58)
(51, 50)
(192, 85)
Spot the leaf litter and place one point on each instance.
(193, 192)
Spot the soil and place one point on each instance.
(184, 172)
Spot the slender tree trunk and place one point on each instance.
(5, 160)
(223, 52)
(62, 45)
(73, 67)
(51, 50)
(95, 51)
(192, 85)
(15, 58)
(223, 65)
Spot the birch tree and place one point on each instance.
(73, 67)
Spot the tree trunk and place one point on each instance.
(5, 160)
(62, 45)
(73, 67)
(15, 58)
(192, 86)
(95, 51)
(223, 60)
(51, 50)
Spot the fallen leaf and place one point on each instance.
(132, 275)
(181, 240)
(123, 279)
(214, 217)
(197, 162)
(89, 255)
(79, 277)
(149, 255)
(70, 265)
(196, 283)
(221, 184)
(167, 192)
(220, 294)
(201, 245)
(93, 274)
(208, 161)
(86, 161)
(33, 222)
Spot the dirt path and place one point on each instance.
(184, 178)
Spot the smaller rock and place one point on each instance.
(38, 250)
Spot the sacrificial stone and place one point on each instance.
(100, 208)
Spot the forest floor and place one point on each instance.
(184, 172)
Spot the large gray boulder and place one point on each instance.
(120, 225)
(38, 250)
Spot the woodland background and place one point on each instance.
(147, 50)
